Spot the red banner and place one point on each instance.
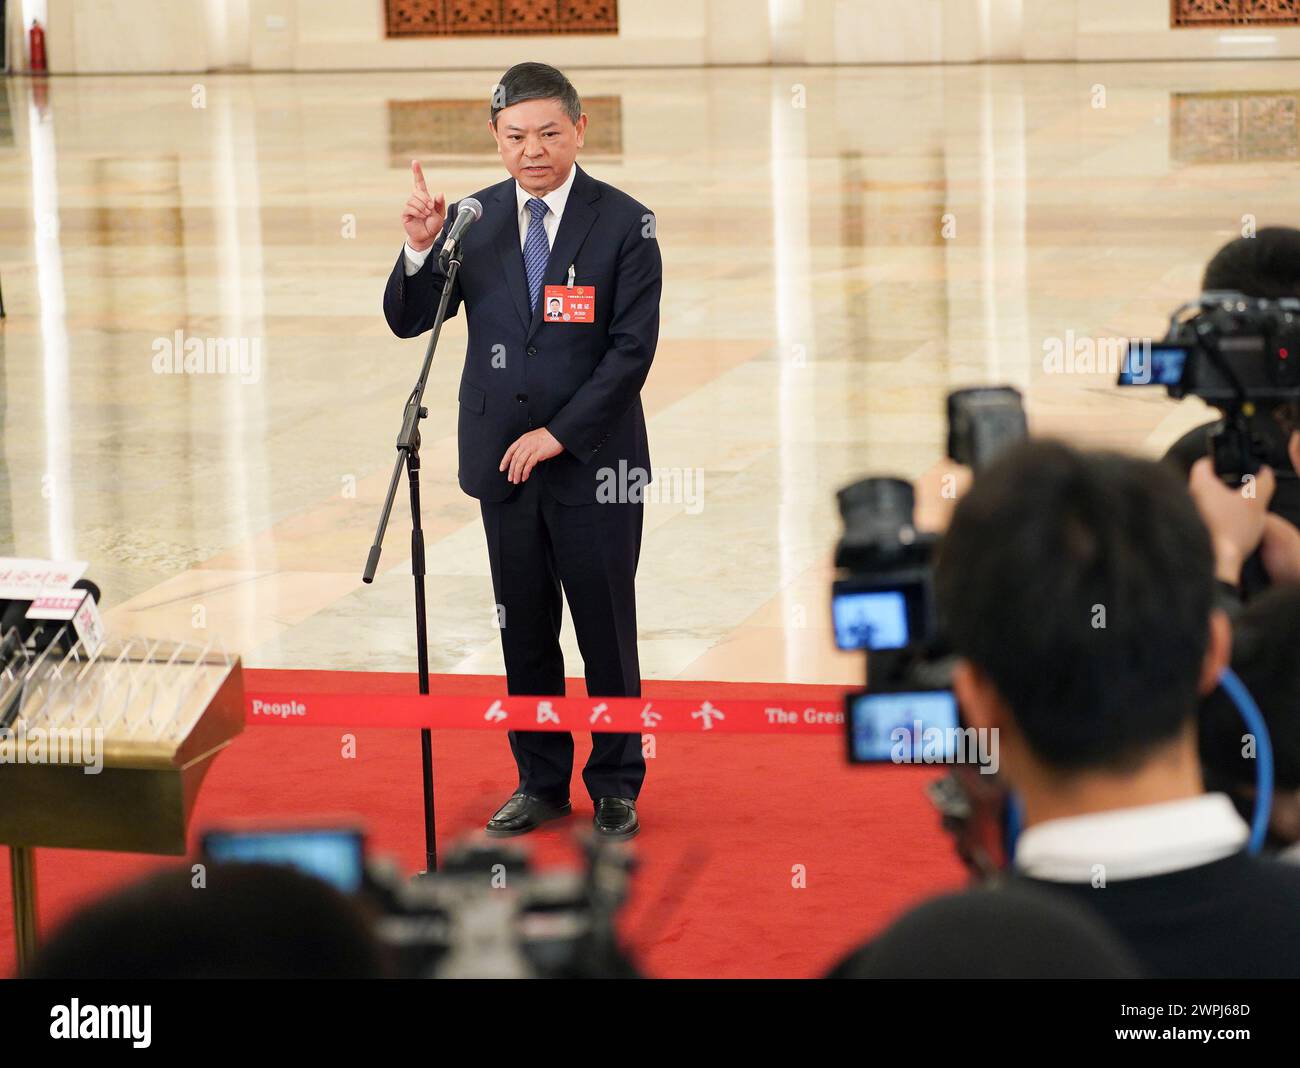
(346, 701)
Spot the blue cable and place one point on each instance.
(1013, 822)
(1254, 720)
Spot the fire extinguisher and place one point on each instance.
(36, 48)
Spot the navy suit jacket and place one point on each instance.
(580, 380)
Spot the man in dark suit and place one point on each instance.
(550, 414)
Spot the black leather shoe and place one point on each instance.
(616, 818)
(524, 813)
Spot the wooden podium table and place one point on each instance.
(108, 751)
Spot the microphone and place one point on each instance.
(15, 629)
(24, 637)
(468, 213)
(63, 632)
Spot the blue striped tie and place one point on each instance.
(537, 249)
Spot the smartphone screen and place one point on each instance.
(334, 855)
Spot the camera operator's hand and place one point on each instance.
(1235, 516)
(1280, 550)
(937, 492)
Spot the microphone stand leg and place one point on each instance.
(422, 657)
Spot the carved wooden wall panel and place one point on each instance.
(1240, 127)
(1234, 12)
(454, 18)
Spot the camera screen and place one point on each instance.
(1153, 364)
(893, 727)
(335, 856)
(870, 619)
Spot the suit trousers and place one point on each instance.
(542, 552)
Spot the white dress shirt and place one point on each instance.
(1133, 843)
(555, 200)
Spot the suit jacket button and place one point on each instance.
(521, 397)
(532, 350)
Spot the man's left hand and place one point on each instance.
(527, 452)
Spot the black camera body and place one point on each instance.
(882, 603)
(884, 598)
(982, 422)
(1240, 355)
(487, 912)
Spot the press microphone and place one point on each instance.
(63, 632)
(23, 637)
(14, 632)
(15, 629)
(468, 213)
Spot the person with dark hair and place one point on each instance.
(1001, 932)
(1266, 266)
(550, 417)
(1078, 593)
(245, 921)
(1264, 657)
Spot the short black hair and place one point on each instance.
(1005, 931)
(248, 921)
(1266, 265)
(1264, 657)
(535, 81)
(1082, 585)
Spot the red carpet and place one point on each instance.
(726, 820)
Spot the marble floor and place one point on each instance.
(842, 247)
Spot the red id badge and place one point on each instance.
(569, 304)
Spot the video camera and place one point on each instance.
(883, 598)
(486, 913)
(1240, 355)
(882, 602)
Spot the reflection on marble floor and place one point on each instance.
(815, 314)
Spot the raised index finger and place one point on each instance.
(418, 175)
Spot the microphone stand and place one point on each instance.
(408, 456)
